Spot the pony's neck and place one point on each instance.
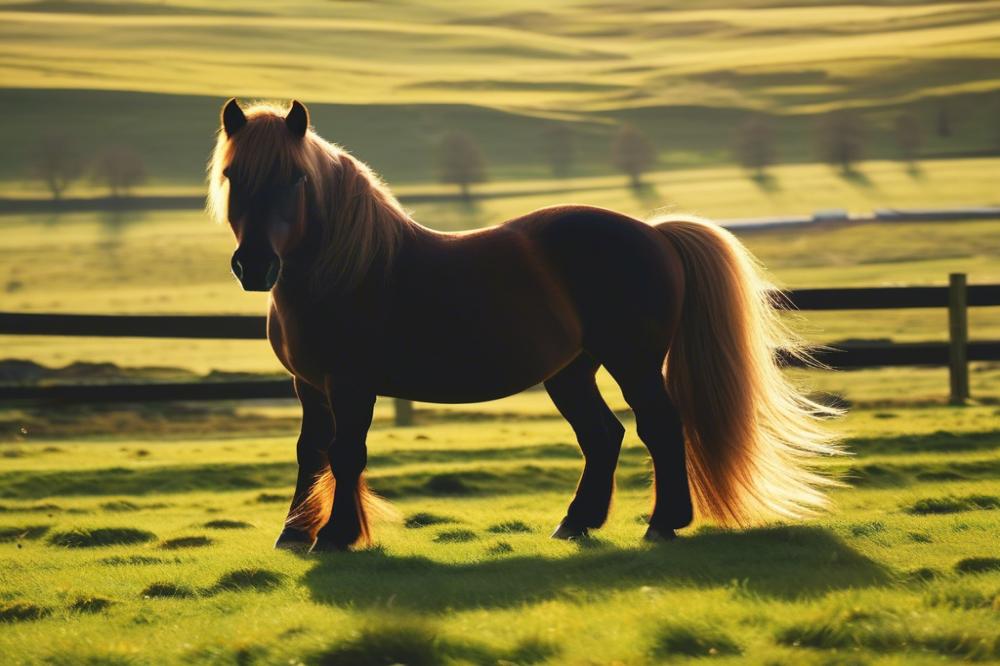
(362, 227)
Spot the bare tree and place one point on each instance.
(57, 163)
(557, 143)
(633, 153)
(461, 161)
(119, 169)
(908, 136)
(755, 145)
(842, 135)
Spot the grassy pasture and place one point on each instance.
(155, 546)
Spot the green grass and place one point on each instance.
(473, 578)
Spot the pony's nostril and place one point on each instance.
(237, 269)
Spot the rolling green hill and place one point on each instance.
(388, 79)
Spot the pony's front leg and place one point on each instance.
(311, 503)
(352, 408)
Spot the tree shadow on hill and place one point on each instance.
(858, 179)
(788, 562)
(767, 182)
(646, 194)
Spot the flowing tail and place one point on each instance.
(751, 436)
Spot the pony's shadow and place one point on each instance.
(787, 562)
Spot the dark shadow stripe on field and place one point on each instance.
(893, 475)
(26, 485)
(936, 442)
(789, 562)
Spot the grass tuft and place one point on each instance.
(702, 640)
(455, 536)
(32, 532)
(119, 506)
(102, 536)
(227, 525)
(952, 504)
(500, 548)
(130, 560)
(509, 527)
(260, 580)
(91, 603)
(978, 565)
(19, 611)
(411, 643)
(424, 519)
(167, 590)
(889, 631)
(272, 498)
(186, 542)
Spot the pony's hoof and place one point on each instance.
(294, 540)
(655, 535)
(568, 532)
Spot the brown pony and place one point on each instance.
(366, 302)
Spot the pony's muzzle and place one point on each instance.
(256, 274)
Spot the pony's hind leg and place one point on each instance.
(575, 394)
(660, 429)
(309, 511)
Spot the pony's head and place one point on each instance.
(260, 170)
(277, 183)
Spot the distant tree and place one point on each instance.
(119, 169)
(57, 163)
(943, 124)
(557, 143)
(842, 135)
(908, 136)
(461, 161)
(633, 153)
(755, 145)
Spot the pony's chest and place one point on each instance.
(292, 348)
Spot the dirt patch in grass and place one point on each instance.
(260, 580)
(32, 532)
(509, 527)
(455, 536)
(186, 542)
(703, 640)
(227, 525)
(978, 565)
(101, 536)
(91, 604)
(19, 611)
(167, 590)
(424, 519)
(953, 504)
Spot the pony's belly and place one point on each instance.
(489, 375)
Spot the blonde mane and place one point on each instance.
(362, 223)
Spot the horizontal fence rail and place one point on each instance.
(956, 353)
(254, 327)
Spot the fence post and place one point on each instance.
(958, 338)
(404, 412)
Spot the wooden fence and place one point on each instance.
(956, 353)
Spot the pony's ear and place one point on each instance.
(232, 117)
(297, 119)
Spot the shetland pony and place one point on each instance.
(365, 302)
